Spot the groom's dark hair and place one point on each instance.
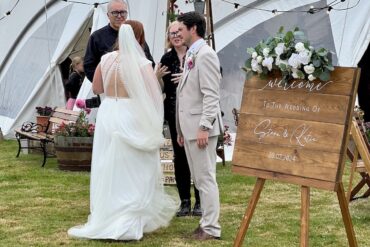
(193, 18)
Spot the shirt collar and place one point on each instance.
(194, 48)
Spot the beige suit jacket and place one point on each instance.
(198, 96)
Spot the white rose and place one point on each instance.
(311, 77)
(309, 69)
(304, 57)
(267, 62)
(259, 69)
(255, 66)
(266, 51)
(293, 61)
(254, 55)
(280, 49)
(299, 47)
(259, 59)
(277, 61)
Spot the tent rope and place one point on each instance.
(47, 33)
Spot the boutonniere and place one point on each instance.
(190, 61)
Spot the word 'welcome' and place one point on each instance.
(311, 86)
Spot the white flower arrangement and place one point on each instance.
(292, 54)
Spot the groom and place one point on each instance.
(198, 119)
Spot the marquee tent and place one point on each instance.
(37, 36)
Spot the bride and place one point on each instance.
(126, 191)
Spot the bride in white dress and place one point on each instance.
(127, 197)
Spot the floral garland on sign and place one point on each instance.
(291, 54)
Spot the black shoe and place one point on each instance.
(197, 210)
(185, 208)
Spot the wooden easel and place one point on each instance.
(267, 137)
(305, 203)
(359, 165)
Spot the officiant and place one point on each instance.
(102, 40)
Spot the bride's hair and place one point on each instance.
(139, 33)
(138, 28)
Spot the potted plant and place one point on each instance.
(73, 144)
(43, 116)
(44, 111)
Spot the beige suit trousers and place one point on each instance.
(202, 164)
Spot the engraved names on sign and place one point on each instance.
(168, 168)
(295, 132)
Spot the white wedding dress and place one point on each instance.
(127, 197)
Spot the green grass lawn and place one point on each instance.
(38, 205)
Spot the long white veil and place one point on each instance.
(143, 88)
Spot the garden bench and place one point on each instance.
(359, 155)
(41, 134)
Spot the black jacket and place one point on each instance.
(100, 43)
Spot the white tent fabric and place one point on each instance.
(32, 77)
(34, 42)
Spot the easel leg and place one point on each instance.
(249, 211)
(305, 205)
(353, 170)
(346, 216)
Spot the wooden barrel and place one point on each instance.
(73, 153)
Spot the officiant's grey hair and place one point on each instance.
(115, 1)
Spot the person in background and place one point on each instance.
(75, 80)
(102, 40)
(169, 71)
(198, 119)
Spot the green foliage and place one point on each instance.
(289, 52)
(172, 16)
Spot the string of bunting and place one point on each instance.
(311, 10)
(68, 1)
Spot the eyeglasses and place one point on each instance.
(173, 34)
(121, 13)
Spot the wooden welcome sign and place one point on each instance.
(296, 133)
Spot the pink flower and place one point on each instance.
(80, 103)
(87, 110)
(190, 62)
(91, 129)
